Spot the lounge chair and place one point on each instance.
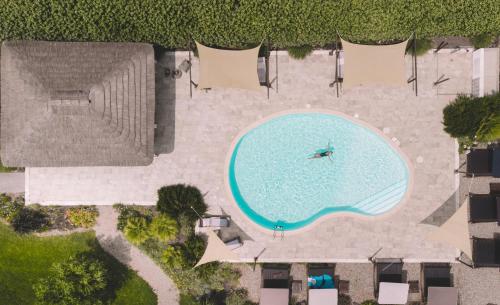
(486, 252)
(484, 162)
(484, 208)
(234, 243)
(214, 222)
(320, 276)
(436, 275)
(274, 296)
(276, 276)
(442, 296)
(388, 270)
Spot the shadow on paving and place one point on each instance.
(443, 213)
(233, 231)
(165, 101)
(117, 247)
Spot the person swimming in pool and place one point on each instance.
(328, 152)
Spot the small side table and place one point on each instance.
(343, 287)
(296, 286)
(414, 286)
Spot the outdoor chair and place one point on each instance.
(214, 222)
(234, 243)
(435, 275)
(276, 276)
(486, 252)
(388, 270)
(484, 208)
(484, 162)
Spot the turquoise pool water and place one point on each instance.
(274, 181)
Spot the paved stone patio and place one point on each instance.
(193, 149)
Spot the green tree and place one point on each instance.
(181, 199)
(79, 281)
(471, 117)
(194, 248)
(173, 257)
(137, 229)
(164, 228)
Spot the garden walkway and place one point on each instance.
(115, 243)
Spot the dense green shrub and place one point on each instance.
(186, 299)
(369, 302)
(125, 212)
(238, 297)
(173, 257)
(172, 23)
(205, 279)
(300, 52)
(181, 199)
(164, 228)
(84, 217)
(9, 207)
(186, 226)
(423, 45)
(137, 229)
(194, 248)
(80, 280)
(483, 40)
(29, 220)
(475, 118)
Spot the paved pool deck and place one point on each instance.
(194, 135)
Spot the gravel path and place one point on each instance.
(115, 243)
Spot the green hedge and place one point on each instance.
(235, 23)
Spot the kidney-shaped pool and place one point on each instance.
(293, 169)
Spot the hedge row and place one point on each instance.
(234, 23)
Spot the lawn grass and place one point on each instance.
(26, 258)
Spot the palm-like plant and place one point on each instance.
(181, 199)
(137, 229)
(164, 228)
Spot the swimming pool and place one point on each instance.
(275, 180)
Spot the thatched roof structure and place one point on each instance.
(77, 104)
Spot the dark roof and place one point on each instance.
(77, 104)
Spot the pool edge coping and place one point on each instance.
(328, 216)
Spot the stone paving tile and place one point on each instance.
(206, 125)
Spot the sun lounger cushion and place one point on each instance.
(215, 222)
(479, 162)
(273, 296)
(442, 296)
(323, 297)
(486, 252)
(483, 208)
(393, 293)
(234, 243)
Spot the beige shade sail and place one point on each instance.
(216, 251)
(374, 64)
(455, 231)
(228, 68)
